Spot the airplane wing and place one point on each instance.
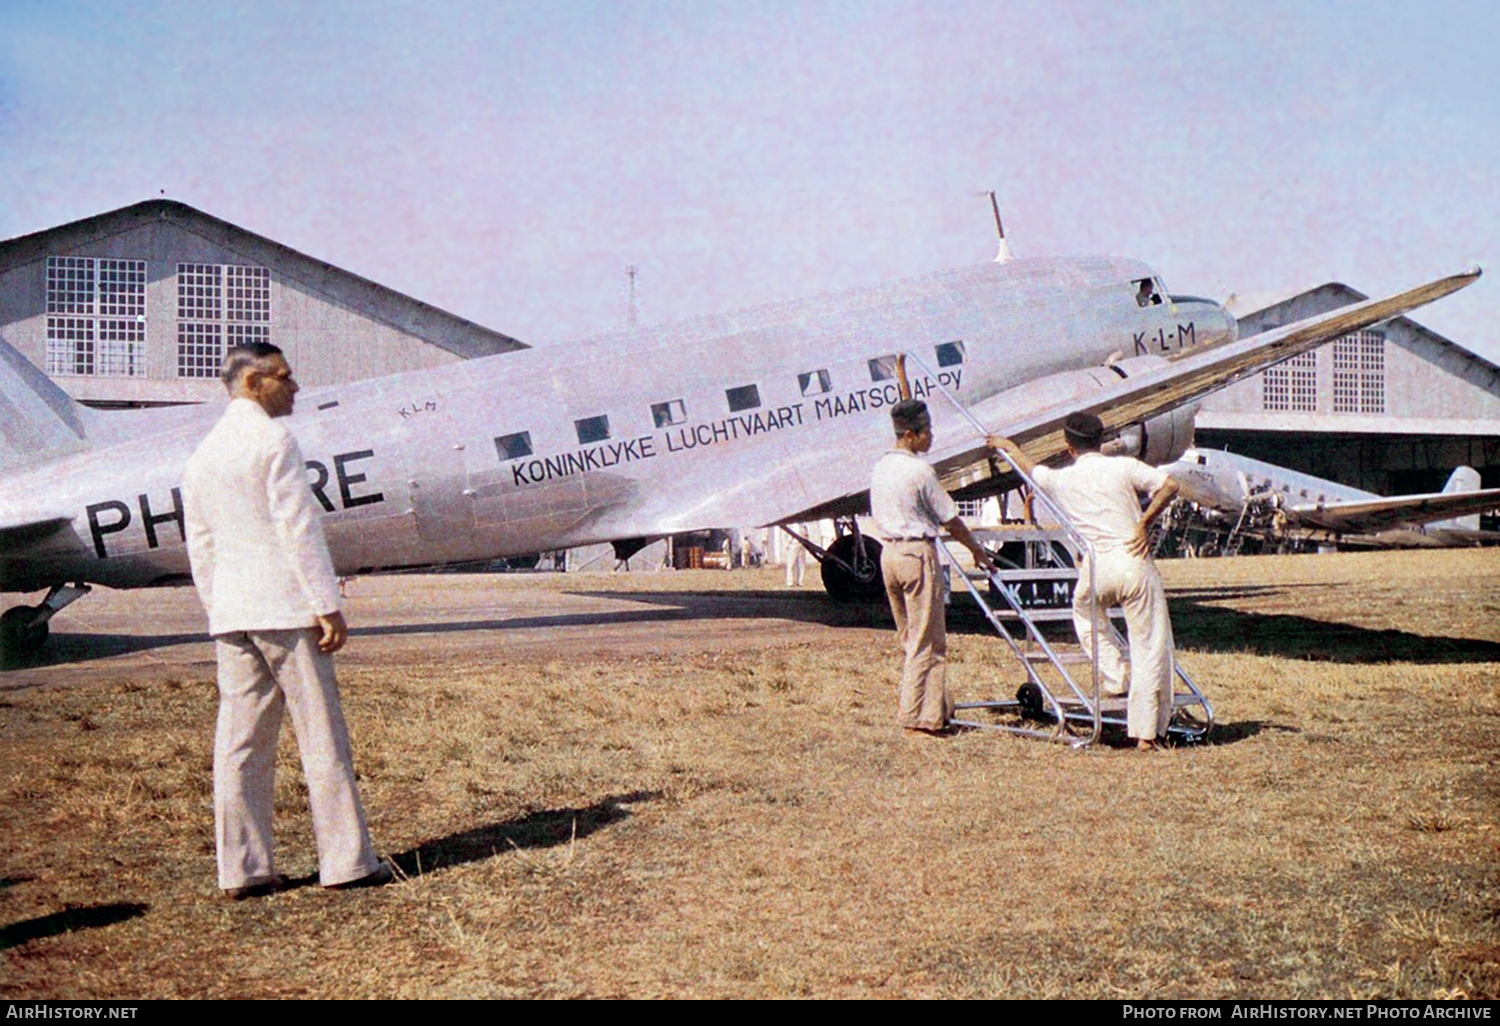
(1374, 515)
(1142, 397)
(966, 462)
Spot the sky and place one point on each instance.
(507, 161)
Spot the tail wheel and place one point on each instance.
(851, 570)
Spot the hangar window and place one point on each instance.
(110, 337)
(815, 382)
(673, 411)
(219, 305)
(200, 350)
(200, 292)
(592, 429)
(247, 293)
(1359, 373)
(70, 285)
(513, 447)
(70, 345)
(241, 334)
(883, 368)
(122, 348)
(746, 397)
(1292, 385)
(950, 354)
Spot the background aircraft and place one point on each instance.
(768, 415)
(1278, 503)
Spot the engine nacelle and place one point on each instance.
(1161, 439)
(1156, 441)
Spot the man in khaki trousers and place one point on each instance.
(262, 568)
(911, 510)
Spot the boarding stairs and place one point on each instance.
(1061, 699)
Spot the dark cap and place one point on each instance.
(910, 415)
(1083, 431)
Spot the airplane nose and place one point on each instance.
(1213, 325)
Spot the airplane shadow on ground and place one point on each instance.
(68, 921)
(69, 647)
(1201, 625)
(1198, 620)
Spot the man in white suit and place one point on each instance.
(261, 565)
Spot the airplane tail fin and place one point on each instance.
(38, 420)
(1462, 480)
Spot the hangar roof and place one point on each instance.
(1457, 413)
(1333, 294)
(438, 327)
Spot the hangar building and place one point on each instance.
(135, 307)
(1392, 410)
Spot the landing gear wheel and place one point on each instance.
(865, 583)
(19, 638)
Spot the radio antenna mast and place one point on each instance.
(1003, 254)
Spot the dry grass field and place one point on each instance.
(689, 785)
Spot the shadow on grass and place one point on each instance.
(68, 921)
(1211, 628)
(1229, 733)
(65, 648)
(1199, 622)
(545, 829)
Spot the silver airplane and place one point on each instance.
(1312, 507)
(771, 415)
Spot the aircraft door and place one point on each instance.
(437, 476)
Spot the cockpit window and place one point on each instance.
(1147, 292)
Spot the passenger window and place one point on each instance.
(592, 429)
(666, 414)
(950, 354)
(883, 368)
(513, 447)
(746, 397)
(815, 382)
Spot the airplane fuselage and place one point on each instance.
(750, 417)
(1318, 508)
